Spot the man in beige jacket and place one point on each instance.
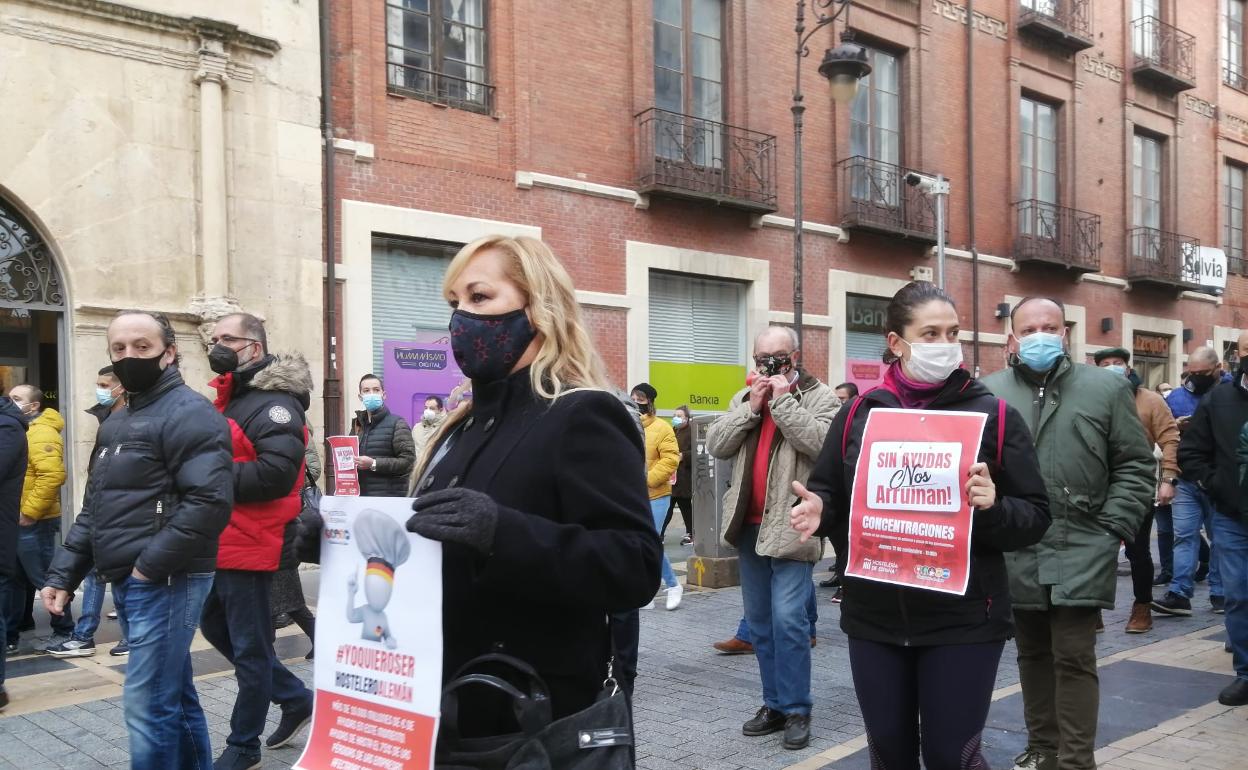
(1162, 432)
(773, 432)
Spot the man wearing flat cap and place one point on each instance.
(1162, 432)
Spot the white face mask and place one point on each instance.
(429, 415)
(932, 362)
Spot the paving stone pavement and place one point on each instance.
(689, 702)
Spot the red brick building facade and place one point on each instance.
(1108, 138)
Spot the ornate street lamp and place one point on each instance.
(845, 66)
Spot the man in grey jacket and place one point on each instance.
(773, 433)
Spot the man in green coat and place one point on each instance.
(1099, 472)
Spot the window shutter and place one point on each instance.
(695, 320)
(407, 291)
(863, 346)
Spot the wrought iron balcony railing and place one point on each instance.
(1067, 23)
(1235, 77)
(687, 157)
(1156, 256)
(440, 88)
(1164, 54)
(874, 196)
(1236, 265)
(1057, 235)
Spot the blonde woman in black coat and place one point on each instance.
(536, 489)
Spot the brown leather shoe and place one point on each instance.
(734, 646)
(1141, 619)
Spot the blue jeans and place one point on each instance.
(35, 546)
(812, 612)
(92, 605)
(238, 622)
(163, 716)
(658, 509)
(1231, 536)
(776, 593)
(1191, 509)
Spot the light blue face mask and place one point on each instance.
(1118, 369)
(677, 422)
(1040, 351)
(105, 397)
(372, 401)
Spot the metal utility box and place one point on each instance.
(713, 564)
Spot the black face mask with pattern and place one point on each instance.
(487, 347)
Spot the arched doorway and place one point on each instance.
(32, 309)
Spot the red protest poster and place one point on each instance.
(346, 478)
(910, 523)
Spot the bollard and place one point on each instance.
(713, 564)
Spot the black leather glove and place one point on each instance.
(457, 515)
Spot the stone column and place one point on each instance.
(215, 297)
(213, 230)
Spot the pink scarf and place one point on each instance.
(911, 394)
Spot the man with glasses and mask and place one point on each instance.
(158, 495)
(1208, 461)
(263, 397)
(1178, 528)
(1099, 471)
(773, 433)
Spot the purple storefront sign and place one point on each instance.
(417, 369)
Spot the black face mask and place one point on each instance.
(222, 360)
(644, 408)
(138, 374)
(1200, 383)
(487, 347)
(773, 365)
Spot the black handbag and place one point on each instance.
(599, 737)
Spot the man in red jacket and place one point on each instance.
(264, 398)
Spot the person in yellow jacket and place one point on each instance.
(40, 507)
(662, 457)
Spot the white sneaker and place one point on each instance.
(674, 595)
(649, 606)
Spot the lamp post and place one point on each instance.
(843, 66)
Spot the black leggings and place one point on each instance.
(686, 512)
(947, 689)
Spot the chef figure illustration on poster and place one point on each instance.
(384, 546)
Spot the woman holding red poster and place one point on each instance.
(918, 656)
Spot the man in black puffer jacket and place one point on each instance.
(12, 476)
(387, 451)
(1207, 457)
(158, 495)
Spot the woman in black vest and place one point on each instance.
(387, 451)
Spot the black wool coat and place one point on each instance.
(891, 614)
(12, 476)
(574, 540)
(684, 472)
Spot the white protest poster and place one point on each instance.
(378, 640)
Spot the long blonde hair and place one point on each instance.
(567, 359)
